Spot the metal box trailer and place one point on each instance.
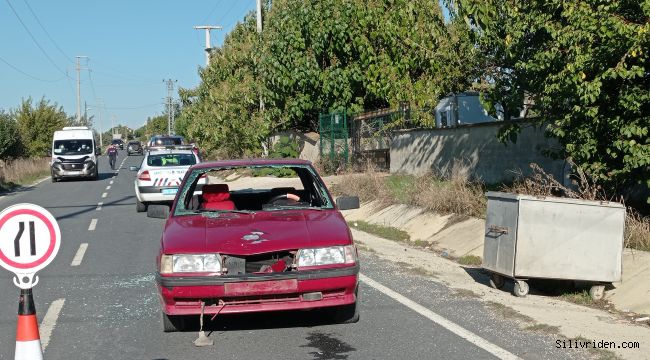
(529, 237)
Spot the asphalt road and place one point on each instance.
(106, 305)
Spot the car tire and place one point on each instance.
(53, 177)
(140, 206)
(347, 314)
(172, 323)
(96, 174)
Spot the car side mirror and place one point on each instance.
(347, 202)
(134, 168)
(158, 211)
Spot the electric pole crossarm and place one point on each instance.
(208, 44)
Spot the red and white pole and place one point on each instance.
(28, 339)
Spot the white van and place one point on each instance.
(74, 153)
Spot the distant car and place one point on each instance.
(134, 147)
(161, 141)
(261, 235)
(119, 143)
(160, 175)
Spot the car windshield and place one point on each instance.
(134, 144)
(73, 147)
(171, 160)
(117, 141)
(251, 189)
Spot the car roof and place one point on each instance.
(251, 162)
(170, 151)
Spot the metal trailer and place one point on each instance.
(529, 237)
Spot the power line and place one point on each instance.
(46, 32)
(131, 108)
(34, 39)
(218, 2)
(30, 75)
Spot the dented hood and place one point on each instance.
(261, 232)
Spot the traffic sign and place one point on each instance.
(29, 240)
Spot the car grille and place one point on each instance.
(255, 263)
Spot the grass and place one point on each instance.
(472, 260)
(451, 194)
(578, 297)
(22, 172)
(637, 231)
(386, 232)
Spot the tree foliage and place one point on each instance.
(10, 146)
(37, 123)
(316, 56)
(584, 66)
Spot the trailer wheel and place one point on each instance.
(597, 292)
(521, 288)
(497, 281)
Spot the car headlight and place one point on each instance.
(190, 263)
(327, 256)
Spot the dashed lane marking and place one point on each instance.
(111, 182)
(49, 321)
(79, 256)
(99, 206)
(104, 195)
(93, 224)
(108, 187)
(447, 324)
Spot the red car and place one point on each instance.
(260, 235)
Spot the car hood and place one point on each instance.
(249, 234)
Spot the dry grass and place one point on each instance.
(637, 231)
(22, 172)
(445, 194)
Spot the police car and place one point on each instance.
(160, 174)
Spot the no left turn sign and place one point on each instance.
(29, 240)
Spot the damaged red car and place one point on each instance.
(260, 235)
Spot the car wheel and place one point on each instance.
(172, 323)
(140, 206)
(96, 174)
(53, 177)
(347, 314)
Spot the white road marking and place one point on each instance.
(111, 182)
(79, 256)
(108, 187)
(99, 206)
(93, 224)
(451, 326)
(49, 321)
(104, 195)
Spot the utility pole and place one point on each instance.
(259, 16)
(100, 104)
(208, 45)
(170, 102)
(259, 31)
(79, 68)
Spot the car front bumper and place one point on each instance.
(59, 172)
(294, 290)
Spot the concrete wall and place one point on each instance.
(308, 142)
(475, 148)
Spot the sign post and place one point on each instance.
(29, 240)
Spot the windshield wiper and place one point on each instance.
(203, 211)
(292, 207)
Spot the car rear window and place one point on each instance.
(171, 160)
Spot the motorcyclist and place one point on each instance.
(112, 155)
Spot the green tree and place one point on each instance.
(37, 123)
(362, 54)
(584, 69)
(10, 146)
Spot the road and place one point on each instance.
(99, 301)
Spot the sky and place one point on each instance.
(131, 45)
